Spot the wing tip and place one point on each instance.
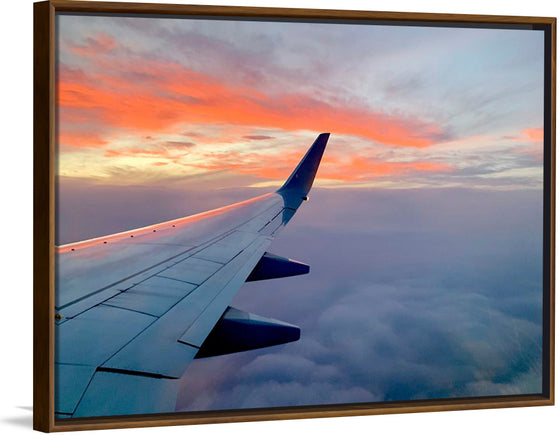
(301, 179)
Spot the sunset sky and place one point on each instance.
(424, 230)
(238, 102)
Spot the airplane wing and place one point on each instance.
(133, 309)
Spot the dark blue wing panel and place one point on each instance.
(296, 188)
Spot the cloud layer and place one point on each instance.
(412, 294)
(414, 297)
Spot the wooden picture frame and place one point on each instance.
(45, 114)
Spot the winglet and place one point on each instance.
(297, 186)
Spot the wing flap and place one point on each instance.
(71, 381)
(134, 395)
(197, 332)
(84, 272)
(192, 270)
(228, 247)
(155, 296)
(94, 336)
(157, 349)
(218, 253)
(85, 304)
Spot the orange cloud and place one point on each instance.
(152, 97)
(535, 134)
(169, 149)
(535, 149)
(532, 139)
(361, 169)
(332, 167)
(81, 139)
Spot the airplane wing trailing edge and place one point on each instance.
(133, 309)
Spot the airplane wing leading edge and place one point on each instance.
(134, 309)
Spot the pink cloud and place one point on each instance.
(153, 97)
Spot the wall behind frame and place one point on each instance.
(16, 227)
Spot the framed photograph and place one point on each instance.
(250, 214)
